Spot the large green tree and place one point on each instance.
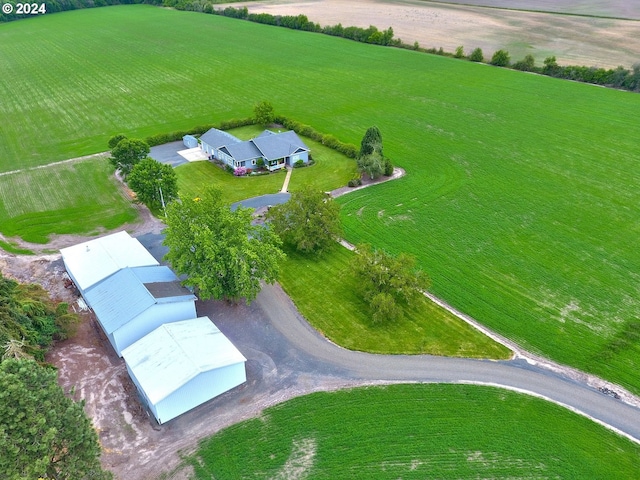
(153, 182)
(309, 221)
(371, 158)
(127, 153)
(371, 142)
(220, 251)
(43, 433)
(263, 113)
(387, 282)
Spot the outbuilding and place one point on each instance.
(90, 262)
(135, 301)
(181, 365)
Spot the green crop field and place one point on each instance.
(77, 197)
(520, 199)
(416, 432)
(324, 289)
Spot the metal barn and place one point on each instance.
(91, 262)
(184, 364)
(135, 301)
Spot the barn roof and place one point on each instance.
(90, 262)
(118, 299)
(174, 353)
(130, 291)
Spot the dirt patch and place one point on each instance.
(574, 40)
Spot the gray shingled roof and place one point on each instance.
(279, 145)
(217, 138)
(242, 151)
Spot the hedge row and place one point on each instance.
(330, 141)
(347, 149)
(162, 138)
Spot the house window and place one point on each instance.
(253, 162)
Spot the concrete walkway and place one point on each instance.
(285, 185)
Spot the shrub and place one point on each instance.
(526, 65)
(476, 55)
(298, 164)
(240, 171)
(260, 163)
(388, 168)
(501, 58)
(228, 168)
(113, 141)
(355, 181)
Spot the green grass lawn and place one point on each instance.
(331, 170)
(194, 177)
(417, 432)
(79, 197)
(324, 290)
(520, 198)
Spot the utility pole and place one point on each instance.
(162, 200)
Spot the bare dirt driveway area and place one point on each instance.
(577, 39)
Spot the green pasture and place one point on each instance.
(520, 198)
(331, 170)
(416, 432)
(78, 197)
(324, 290)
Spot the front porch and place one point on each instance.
(273, 165)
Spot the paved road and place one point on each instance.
(168, 153)
(263, 201)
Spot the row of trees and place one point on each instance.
(620, 77)
(616, 78)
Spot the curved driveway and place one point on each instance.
(286, 358)
(286, 351)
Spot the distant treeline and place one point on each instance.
(619, 77)
(616, 78)
(53, 6)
